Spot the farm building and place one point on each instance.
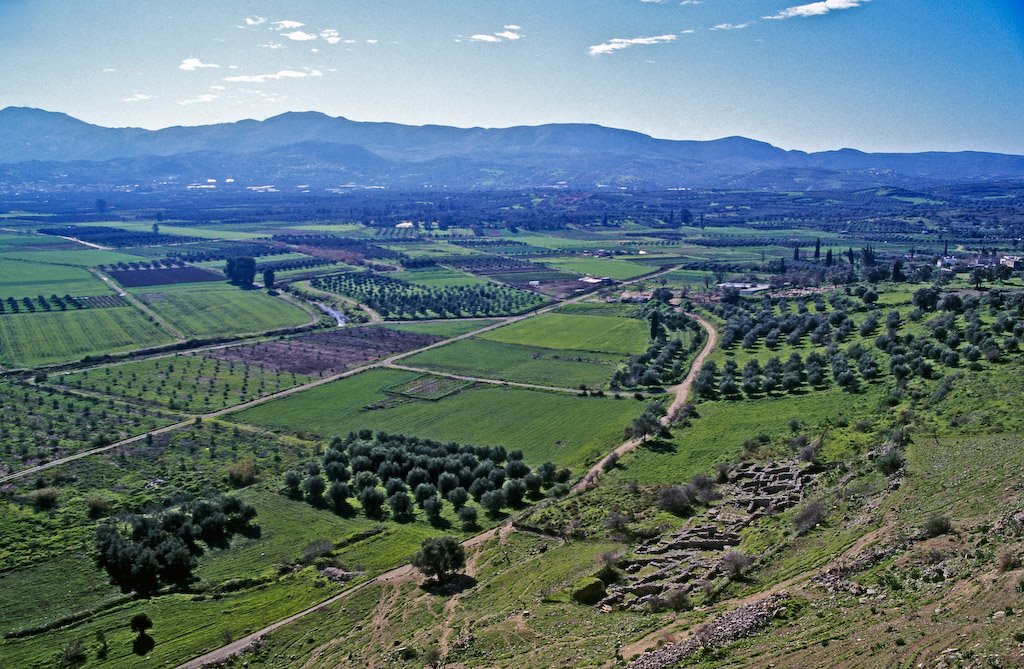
(1013, 262)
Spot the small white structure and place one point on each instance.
(405, 225)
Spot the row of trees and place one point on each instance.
(401, 299)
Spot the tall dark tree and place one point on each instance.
(268, 278)
(828, 258)
(817, 249)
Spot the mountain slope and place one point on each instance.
(313, 147)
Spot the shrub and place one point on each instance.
(72, 653)
(98, 506)
(734, 563)
(676, 499)
(1008, 560)
(242, 472)
(432, 506)
(314, 487)
(372, 501)
(678, 600)
(44, 499)
(890, 463)
(937, 526)
(317, 548)
(808, 516)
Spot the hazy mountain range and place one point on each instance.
(41, 149)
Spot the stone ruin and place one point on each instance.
(685, 559)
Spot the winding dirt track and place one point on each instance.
(681, 392)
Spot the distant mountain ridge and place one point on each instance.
(39, 147)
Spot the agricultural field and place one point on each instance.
(564, 429)
(601, 267)
(22, 278)
(192, 383)
(443, 329)
(525, 364)
(216, 310)
(601, 334)
(34, 339)
(325, 353)
(135, 278)
(402, 300)
(42, 424)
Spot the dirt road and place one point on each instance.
(681, 393)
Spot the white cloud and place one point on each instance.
(730, 26)
(330, 35)
(139, 97)
(218, 88)
(299, 36)
(108, 70)
(688, 31)
(509, 34)
(653, 2)
(620, 43)
(690, 2)
(193, 64)
(816, 8)
(208, 97)
(372, 41)
(287, 25)
(283, 74)
(253, 21)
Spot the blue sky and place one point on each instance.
(877, 75)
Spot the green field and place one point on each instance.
(604, 334)
(452, 328)
(28, 340)
(613, 268)
(546, 426)
(212, 310)
(81, 257)
(188, 382)
(29, 279)
(514, 362)
(438, 277)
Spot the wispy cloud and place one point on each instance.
(330, 35)
(287, 25)
(139, 97)
(730, 26)
(299, 36)
(193, 64)
(253, 21)
(816, 8)
(208, 97)
(620, 43)
(485, 38)
(282, 74)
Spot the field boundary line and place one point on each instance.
(112, 283)
(478, 379)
